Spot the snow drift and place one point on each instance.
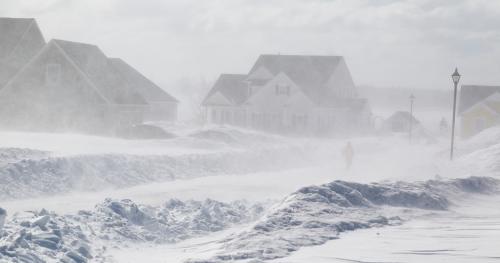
(313, 215)
(24, 177)
(310, 216)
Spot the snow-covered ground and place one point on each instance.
(469, 232)
(69, 173)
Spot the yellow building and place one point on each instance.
(479, 109)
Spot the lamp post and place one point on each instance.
(456, 78)
(412, 98)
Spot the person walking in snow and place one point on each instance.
(348, 153)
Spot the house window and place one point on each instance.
(52, 74)
(282, 89)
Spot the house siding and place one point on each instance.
(476, 120)
(32, 102)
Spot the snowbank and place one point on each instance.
(32, 177)
(310, 216)
(313, 215)
(47, 237)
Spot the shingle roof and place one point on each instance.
(20, 40)
(97, 67)
(311, 73)
(134, 79)
(232, 86)
(472, 94)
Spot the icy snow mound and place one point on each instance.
(313, 215)
(37, 237)
(125, 221)
(48, 237)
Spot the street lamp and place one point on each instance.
(412, 98)
(456, 78)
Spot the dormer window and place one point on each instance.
(281, 89)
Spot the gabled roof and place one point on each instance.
(311, 73)
(20, 40)
(472, 94)
(134, 79)
(92, 62)
(490, 103)
(232, 86)
(12, 31)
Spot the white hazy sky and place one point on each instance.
(411, 43)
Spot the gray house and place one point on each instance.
(161, 105)
(70, 86)
(20, 40)
(289, 93)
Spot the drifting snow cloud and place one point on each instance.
(396, 43)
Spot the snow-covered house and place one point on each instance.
(400, 122)
(479, 108)
(289, 93)
(69, 86)
(161, 105)
(20, 40)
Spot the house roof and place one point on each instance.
(310, 73)
(20, 40)
(134, 79)
(12, 31)
(490, 103)
(472, 94)
(92, 62)
(232, 86)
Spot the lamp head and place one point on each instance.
(455, 76)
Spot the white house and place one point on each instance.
(289, 93)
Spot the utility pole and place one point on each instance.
(412, 98)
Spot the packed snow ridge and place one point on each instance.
(42, 236)
(313, 215)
